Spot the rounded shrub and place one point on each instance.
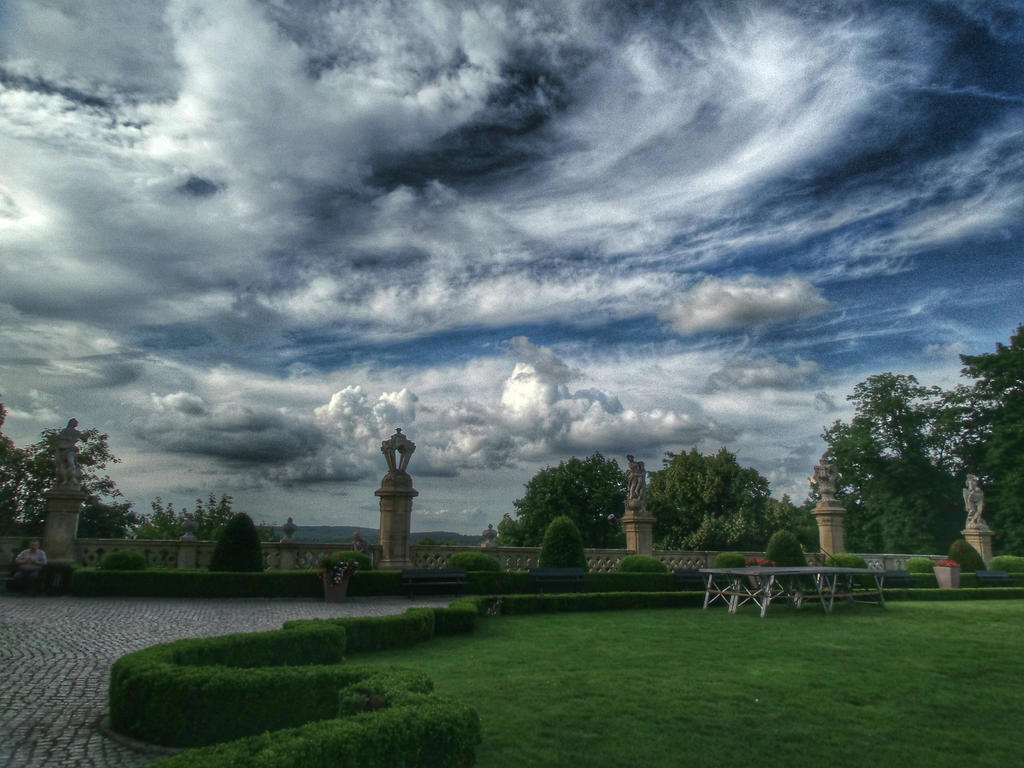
(473, 561)
(124, 560)
(784, 550)
(348, 556)
(1008, 563)
(920, 565)
(641, 564)
(845, 560)
(966, 555)
(730, 560)
(562, 546)
(238, 546)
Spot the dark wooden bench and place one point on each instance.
(898, 580)
(559, 579)
(434, 579)
(993, 579)
(691, 579)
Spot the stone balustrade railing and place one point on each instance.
(293, 555)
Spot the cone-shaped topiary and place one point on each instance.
(238, 546)
(473, 561)
(966, 555)
(641, 564)
(730, 560)
(784, 550)
(562, 546)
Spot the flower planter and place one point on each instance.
(947, 576)
(335, 593)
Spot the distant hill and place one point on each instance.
(342, 534)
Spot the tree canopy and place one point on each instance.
(897, 471)
(26, 473)
(587, 491)
(711, 502)
(903, 457)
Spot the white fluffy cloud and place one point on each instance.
(717, 303)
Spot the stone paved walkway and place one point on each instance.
(56, 652)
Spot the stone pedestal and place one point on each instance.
(396, 494)
(980, 537)
(639, 528)
(62, 508)
(831, 518)
(288, 552)
(187, 553)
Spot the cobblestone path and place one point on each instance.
(56, 652)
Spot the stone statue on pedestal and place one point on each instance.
(974, 502)
(69, 474)
(636, 482)
(826, 478)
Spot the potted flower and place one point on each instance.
(335, 572)
(757, 562)
(947, 574)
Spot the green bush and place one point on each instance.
(784, 550)
(605, 601)
(730, 560)
(562, 546)
(124, 560)
(374, 583)
(364, 562)
(966, 555)
(1008, 563)
(473, 561)
(641, 564)
(920, 565)
(238, 547)
(845, 560)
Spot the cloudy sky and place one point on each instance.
(249, 239)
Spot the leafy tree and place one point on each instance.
(210, 517)
(897, 469)
(711, 502)
(994, 437)
(26, 473)
(587, 491)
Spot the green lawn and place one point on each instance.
(916, 684)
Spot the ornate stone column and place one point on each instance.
(396, 494)
(637, 523)
(62, 508)
(828, 512)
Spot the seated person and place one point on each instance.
(29, 566)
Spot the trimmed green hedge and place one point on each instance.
(1009, 563)
(154, 697)
(375, 633)
(602, 601)
(498, 583)
(433, 732)
(629, 582)
(473, 561)
(976, 593)
(641, 564)
(166, 582)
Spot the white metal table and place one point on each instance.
(765, 585)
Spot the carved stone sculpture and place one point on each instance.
(974, 502)
(69, 474)
(402, 446)
(636, 481)
(825, 479)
